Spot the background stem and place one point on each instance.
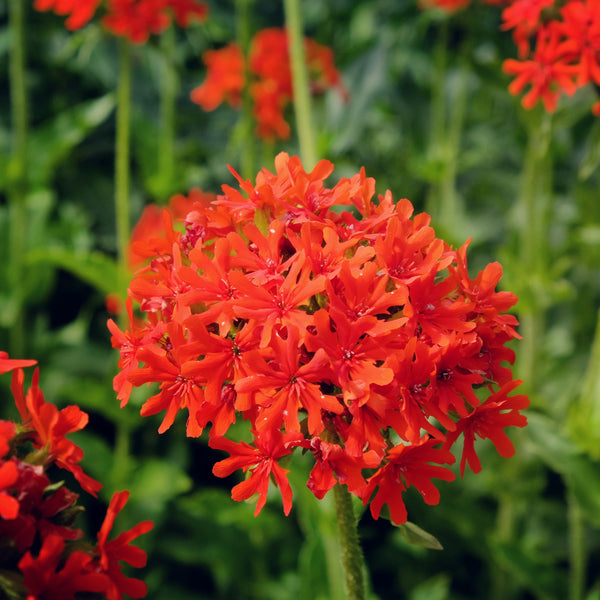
(300, 83)
(169, 86)
(122, 161)
(246, 125)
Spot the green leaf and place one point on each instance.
(417, 536)
(52, 143)
(97, 269)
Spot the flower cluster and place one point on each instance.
(566, 52)
(558, 45)
(331, 322)
(40, 558)
(270, 86)
(133, 19)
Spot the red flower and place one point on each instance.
(224, 80)
(548, 73)
(9, 506)
(524, 17)
(80, 11)
(271, 79)
(112, 553)
(580, 29)
(408, 466)
(283, 386)
(7, 432)
(489, 420)
(49, 426)
(270, 447)
(10, 364)
(185, 11)
(134, 19)
(181, 378)
(52, 577)
(333, 465)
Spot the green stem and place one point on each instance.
(352, 557)
(448, 114)
(243, 13)
(122, 161)
(293, 20)
(577, 550)
(438, 112)
(169, 85)
(533, 213)
(18, 184)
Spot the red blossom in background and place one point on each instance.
(48, 427)
(37, 515)
(133, 19)
(558, 46)
(325, 331)
(49, 577)
(270, 82)
(112, 553)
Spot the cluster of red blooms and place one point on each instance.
(40, 558)
(133, 19)
(565, 53)
(330, 322)
(271, 80)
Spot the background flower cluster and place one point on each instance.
(41, 557)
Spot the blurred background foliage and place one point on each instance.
(429, 117)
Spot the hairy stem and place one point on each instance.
(352, 556)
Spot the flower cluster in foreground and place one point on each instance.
(41, 557)
(133, 19)
(270, 85)
(558, 43)
(332, 323)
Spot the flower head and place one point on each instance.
(357, 336)
(133, 19)
(270, 82)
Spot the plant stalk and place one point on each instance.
(122, 163)
(535, 191)
(246, 124)
(352, 556)
(300, 83)
(169, 85)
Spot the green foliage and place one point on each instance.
(429, 117)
